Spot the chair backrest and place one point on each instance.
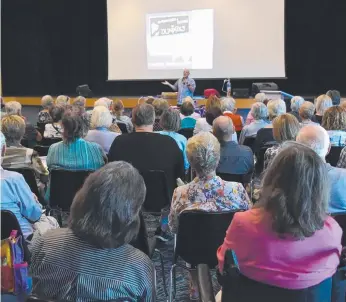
(157, 196)
(122, 127)
(250, 142)
(41, 150)
(50, 141)
(341, 220)
(188, 122)
(242, 178)
(333, 156)
(187, 132)
(141, 240)
(200, 234)
(41, 127)
(242, 289)
(29, 176)
(64, 185)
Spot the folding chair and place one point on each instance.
(333, 156)
(122, 127)
(250, 142)
(199, 236)
(187, 132)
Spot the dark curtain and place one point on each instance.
(52, 46)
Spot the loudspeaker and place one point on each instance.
(258, 87)
(240, 93)
(84, 90)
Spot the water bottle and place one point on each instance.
(229, 87)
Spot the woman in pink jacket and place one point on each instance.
(287, 239)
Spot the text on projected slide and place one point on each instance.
(174, 40)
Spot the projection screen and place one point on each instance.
(214, 39)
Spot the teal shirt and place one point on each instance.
(78, 155)
(181, 141)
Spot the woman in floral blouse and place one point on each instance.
(207, 192)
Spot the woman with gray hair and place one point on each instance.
(43, 116)
(170, 122)
(101, 120)
(62, 100)
(296, 103)
(260, 113)
(322, 103)
(104, 219)
(207, 192)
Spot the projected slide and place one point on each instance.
(177, 40)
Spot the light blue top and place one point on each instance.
(181, 141)
(102, 136)
(337, 138)
(77, 155)
(252, 129)
(17, 197)
(337, 178)
(183, 90)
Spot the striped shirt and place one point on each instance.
(77, 155)
(65, 268)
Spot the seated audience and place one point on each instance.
(31, 135)
(73, 152)
(160, 106)
(228, 109)
(342, 159)
(43, 116)
(101, 120)
(285, 128)
(18, 156)
(146, 150)
(265, 136)
(306, 113)
(17, 197)
(62, 100)
(322, 103)
(334, 121)
(317, 139)
(207, 192)
(170, 122)
(296, 103)
(335, 97)
(259, 113)
(259, 97)
(343, 104)
(79, 101)
(91, 259)
(287, 239)
(119, 117)
(234, 158)
(54, 129)
(188, 115)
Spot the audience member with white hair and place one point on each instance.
(317, 138)
(17, 197)
(259, 97)
(43, 116)
(265, 135)
(207, 192)
(31, 136)
(259, 113)
(322, 103)
(334, 121)
(306, 113)
(62, 100)
(101, 120)
(296, 103)
(229, 109)
(234, 158)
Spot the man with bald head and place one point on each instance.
(316, 137)
(234, 158)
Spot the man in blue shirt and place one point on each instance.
(17, 197)
(317, 138)
(185, 86)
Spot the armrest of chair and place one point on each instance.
(205, 284)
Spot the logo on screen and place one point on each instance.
(164, 26)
